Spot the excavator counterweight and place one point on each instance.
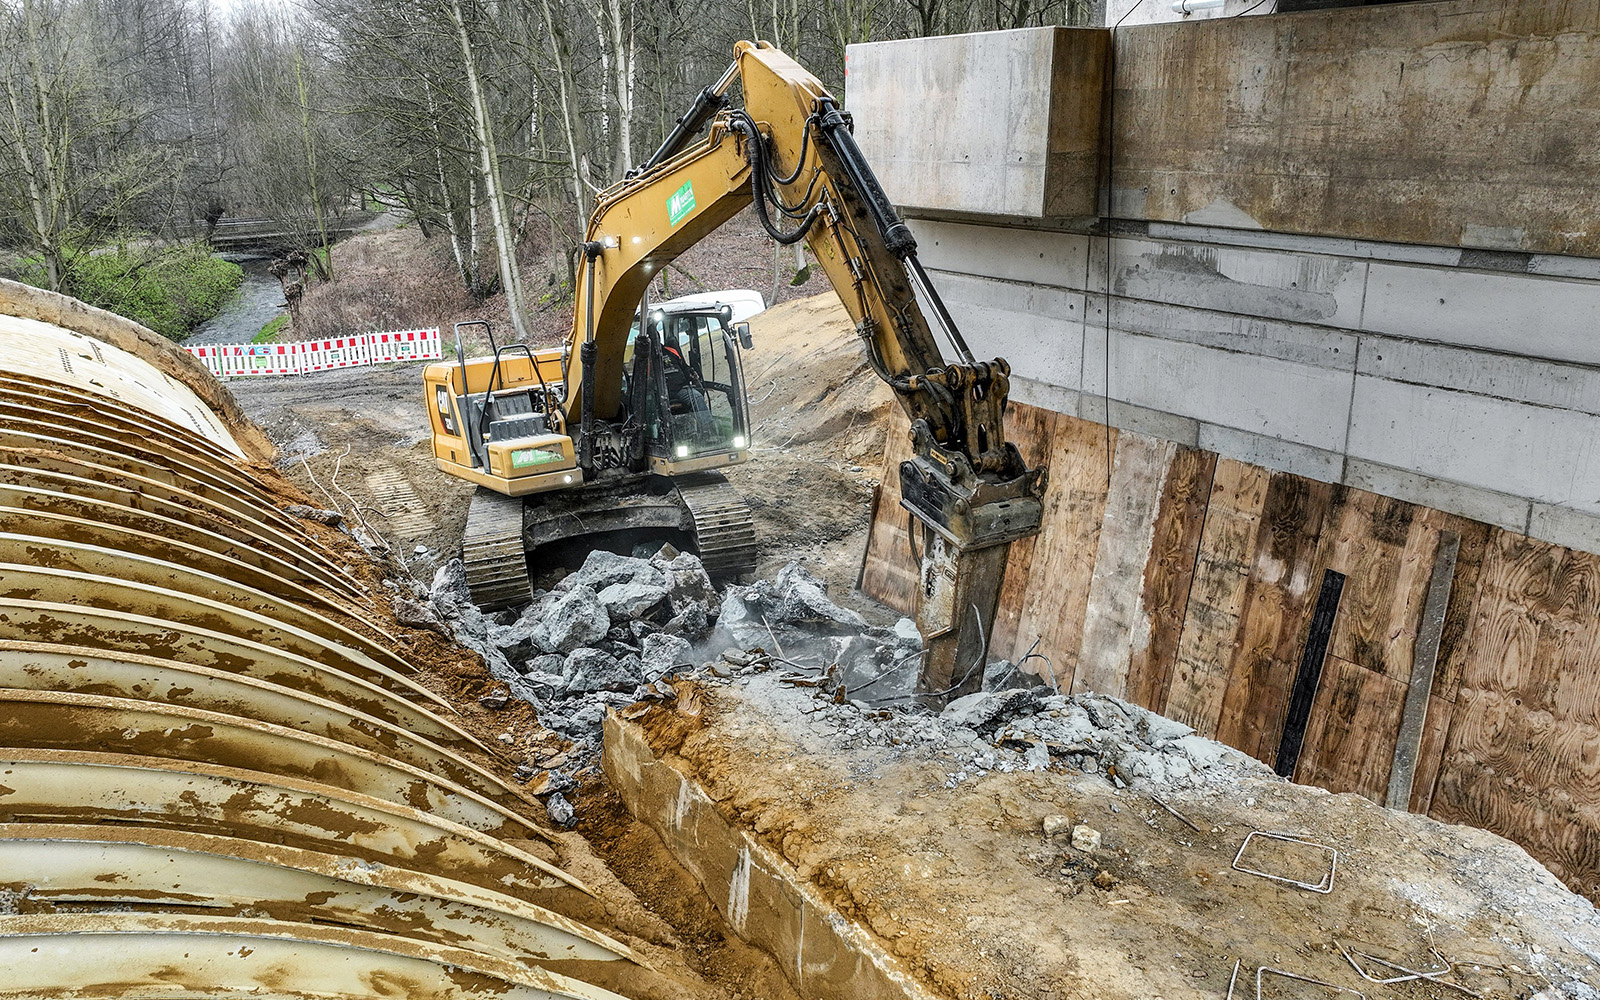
(625, 426)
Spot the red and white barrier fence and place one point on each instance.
(303, 357)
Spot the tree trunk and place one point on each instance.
(572, 125)
(505, 245)
(311, 167)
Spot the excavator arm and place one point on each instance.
(789, 152)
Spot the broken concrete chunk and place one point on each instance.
(982, 709)
(573, 620)
(632, 598)
(331, 518)
(803, 599)
(418, 615)
(450, 580)
(560, 810)
(1003, 675)
(1085, 838)
(1055, 824)
(693, 622)
(688, 584)
(589, 669)
(602, 569)
(661, 655)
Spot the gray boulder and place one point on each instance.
(693, 622)
(803, 599)
(590, 669)
(662, 653)
(688, 584)
(573, 620)
(602, 569)
(632, 598)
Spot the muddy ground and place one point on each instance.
(966, 863)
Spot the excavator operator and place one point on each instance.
(684, 386)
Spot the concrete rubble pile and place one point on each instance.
(621, 628)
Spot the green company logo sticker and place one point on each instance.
(681, 203)
(521, 458)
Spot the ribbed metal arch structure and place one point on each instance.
(219, 773)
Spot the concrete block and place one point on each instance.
(1011, 253)
(994, 123)
(1446, 124)
(1036, 328)
(1500, 509)
(1548, 455)
(1564, 526)
(1272, 453)
(821, 952)
(1049, 396)
(1297, 403)
(1268, 283)
(1320, 347)
(1485, 373)
(1525, 314)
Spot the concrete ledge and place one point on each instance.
(824, 954)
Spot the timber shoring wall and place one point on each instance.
(1185, 583)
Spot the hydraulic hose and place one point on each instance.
(760, 186)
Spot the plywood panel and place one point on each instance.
(1522, 757)
(1216, 599)
(889, 573)
(1115, 618)
(1435, 734)
(1367, 542)
(1350, 740)
(1064, 553)
(1032, 429)
(1457, 640)
(1169, 574)
(1283, 581)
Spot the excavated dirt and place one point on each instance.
(950, 867)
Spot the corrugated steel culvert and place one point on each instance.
(219, 774)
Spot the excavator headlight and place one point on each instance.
(683, 451)
(738, 440)
(610, 242)
(567, 478)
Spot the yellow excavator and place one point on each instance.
(625, 427)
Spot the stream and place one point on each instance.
(257, 300)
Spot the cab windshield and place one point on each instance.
(701, 386)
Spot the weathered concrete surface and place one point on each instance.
(1458, 124)
(1455, 124)
(1469, 390)
(1004, 122)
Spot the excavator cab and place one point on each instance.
(691, 400)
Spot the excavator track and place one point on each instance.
(497, 571)
(724, 530)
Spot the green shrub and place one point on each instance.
(169, 288)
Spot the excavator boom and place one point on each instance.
(790, 153)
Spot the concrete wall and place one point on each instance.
(1314, 266)
(1006, 122)
(1466, 123)
(1415, 379)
